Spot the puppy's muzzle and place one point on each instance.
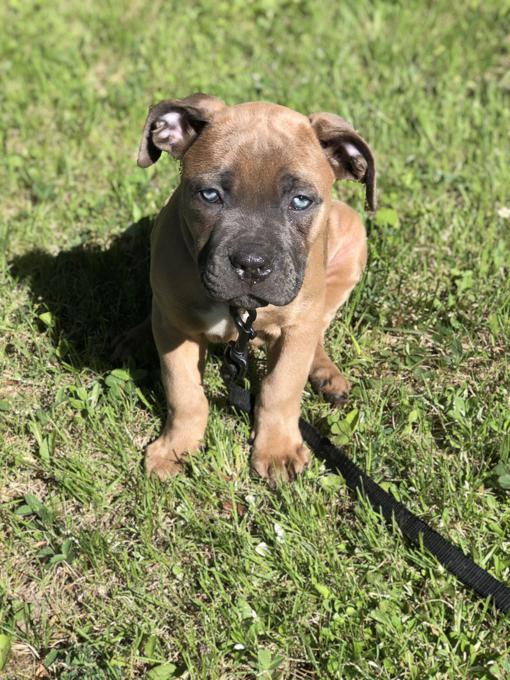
(251, 273)
(251, 264)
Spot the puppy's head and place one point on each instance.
(255, 189)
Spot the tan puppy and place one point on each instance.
(251, 224)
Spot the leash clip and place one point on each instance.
(235, 360)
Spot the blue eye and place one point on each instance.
(210, 195)
(300, 202)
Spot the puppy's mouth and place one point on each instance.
(248, 302)
(243, 300)
(250, 297)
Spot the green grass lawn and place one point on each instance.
(105, 574)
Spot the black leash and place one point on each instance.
(235, 361)
(233, 372)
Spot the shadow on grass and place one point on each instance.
(92, 293)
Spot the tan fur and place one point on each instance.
(259, 140)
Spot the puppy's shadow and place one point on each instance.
(96, 294)
(93, 293)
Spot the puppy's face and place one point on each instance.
(255, 193)
(255, 188)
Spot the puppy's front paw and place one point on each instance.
(165, 456)
(281, 462)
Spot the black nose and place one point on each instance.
(251, 266)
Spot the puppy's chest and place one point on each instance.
(217, 324)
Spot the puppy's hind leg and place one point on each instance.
(127, 343)
(347, 258)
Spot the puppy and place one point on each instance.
(251, 225)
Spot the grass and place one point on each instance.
(104, 574)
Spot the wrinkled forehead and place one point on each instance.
(259, 145)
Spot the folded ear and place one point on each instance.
(174, 124)
(348, 154)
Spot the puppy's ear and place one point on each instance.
(348, 153)
(173, 125)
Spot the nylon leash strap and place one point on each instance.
(233, 372)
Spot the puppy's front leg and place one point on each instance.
(182, 364)
(278, 449)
